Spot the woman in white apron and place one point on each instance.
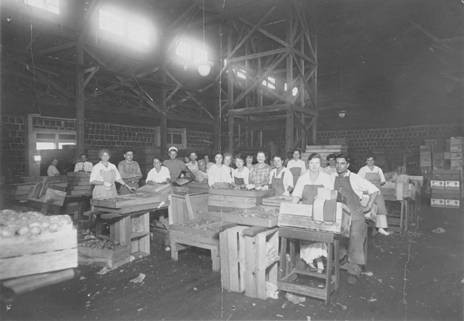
(374, 174)
(103, 177)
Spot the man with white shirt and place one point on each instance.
(83, 165)
(374, 174)
(158, 174)
(351, 188)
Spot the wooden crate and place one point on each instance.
(186, 206)
(301, 215)
(232, 254)
(261, 262)
(112, 258)
(249, 259)
(276, 200)
(140, 234)
(236, 198)
(20, 256)
(256, 216)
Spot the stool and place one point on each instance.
(288, 270)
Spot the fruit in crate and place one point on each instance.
(28, 224)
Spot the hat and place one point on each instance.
(174, 148)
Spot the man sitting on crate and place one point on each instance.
(351, 187)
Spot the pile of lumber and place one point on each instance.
(33, 243)
(79, 184)
(324, 151)
(41, 189)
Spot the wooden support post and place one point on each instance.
(231, 134)
(289, 130)
(80, 98)
(1, 146)
(164, 118)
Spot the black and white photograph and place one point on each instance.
(231, 160)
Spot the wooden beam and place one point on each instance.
(289, 130)
(231, 134)
(80, 99)
(259, 110)
(91, 74)
(257, 81)
(67, 45)
(164, 118)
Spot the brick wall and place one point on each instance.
(393, 142)
(14, 145)
(199, 140)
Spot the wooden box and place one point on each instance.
(437, 202)
(20, 256)
(236, 198)
(256, 216)
(276, 200)
(186, 206)
(111, 258)
(301, 215)
(435, 184)
(249, 259)
(452, 203)
(453, 185)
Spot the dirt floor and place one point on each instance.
(418, 276)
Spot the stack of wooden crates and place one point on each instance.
(442, 161)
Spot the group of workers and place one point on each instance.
(293, 178)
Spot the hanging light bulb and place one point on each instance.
(204, 69)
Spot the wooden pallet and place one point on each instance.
(20, 256)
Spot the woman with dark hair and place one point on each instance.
(241, 174)
(249, 162)
(219, 174)
(103, 176)
(296, 166)
(259, 175)
(307, 185)
(281, 179)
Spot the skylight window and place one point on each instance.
(125, 28)
(191, 52)
(52, 6)
(270, 83)
(241, 74)
(294, 90)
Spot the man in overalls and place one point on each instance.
(351, 187)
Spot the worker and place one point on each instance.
(260, 173)
(296, 166)
(201, 176)
(83, 165)
(103, 176)
(351, 188)
(159, 174)
(52, 169)
(228, 162)
(249, 162)
(241, 174)
(207, 162)
(218, 174)
(314, 178)
(374, 174)
(130, 172)
(331, 168)
(192, 164)
(176, 166)
(281, 179)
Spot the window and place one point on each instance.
(55, 140)
(270, 83)
(52, 6)
(125, 28)
(294, 90)
(241, 73)
(177, 137)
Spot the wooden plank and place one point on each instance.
(38, 263)
(232, 255)
(48, 242)
(111, 258)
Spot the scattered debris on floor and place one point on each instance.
(138, 279)
(439, 230)
(342, 306)
(295, 299)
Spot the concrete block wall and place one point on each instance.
(394, 142)
(98, 135)
(14, 145)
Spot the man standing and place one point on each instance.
(331, 165)
(351, 187)
(175, 166)
(130, 172)
(83, 165)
